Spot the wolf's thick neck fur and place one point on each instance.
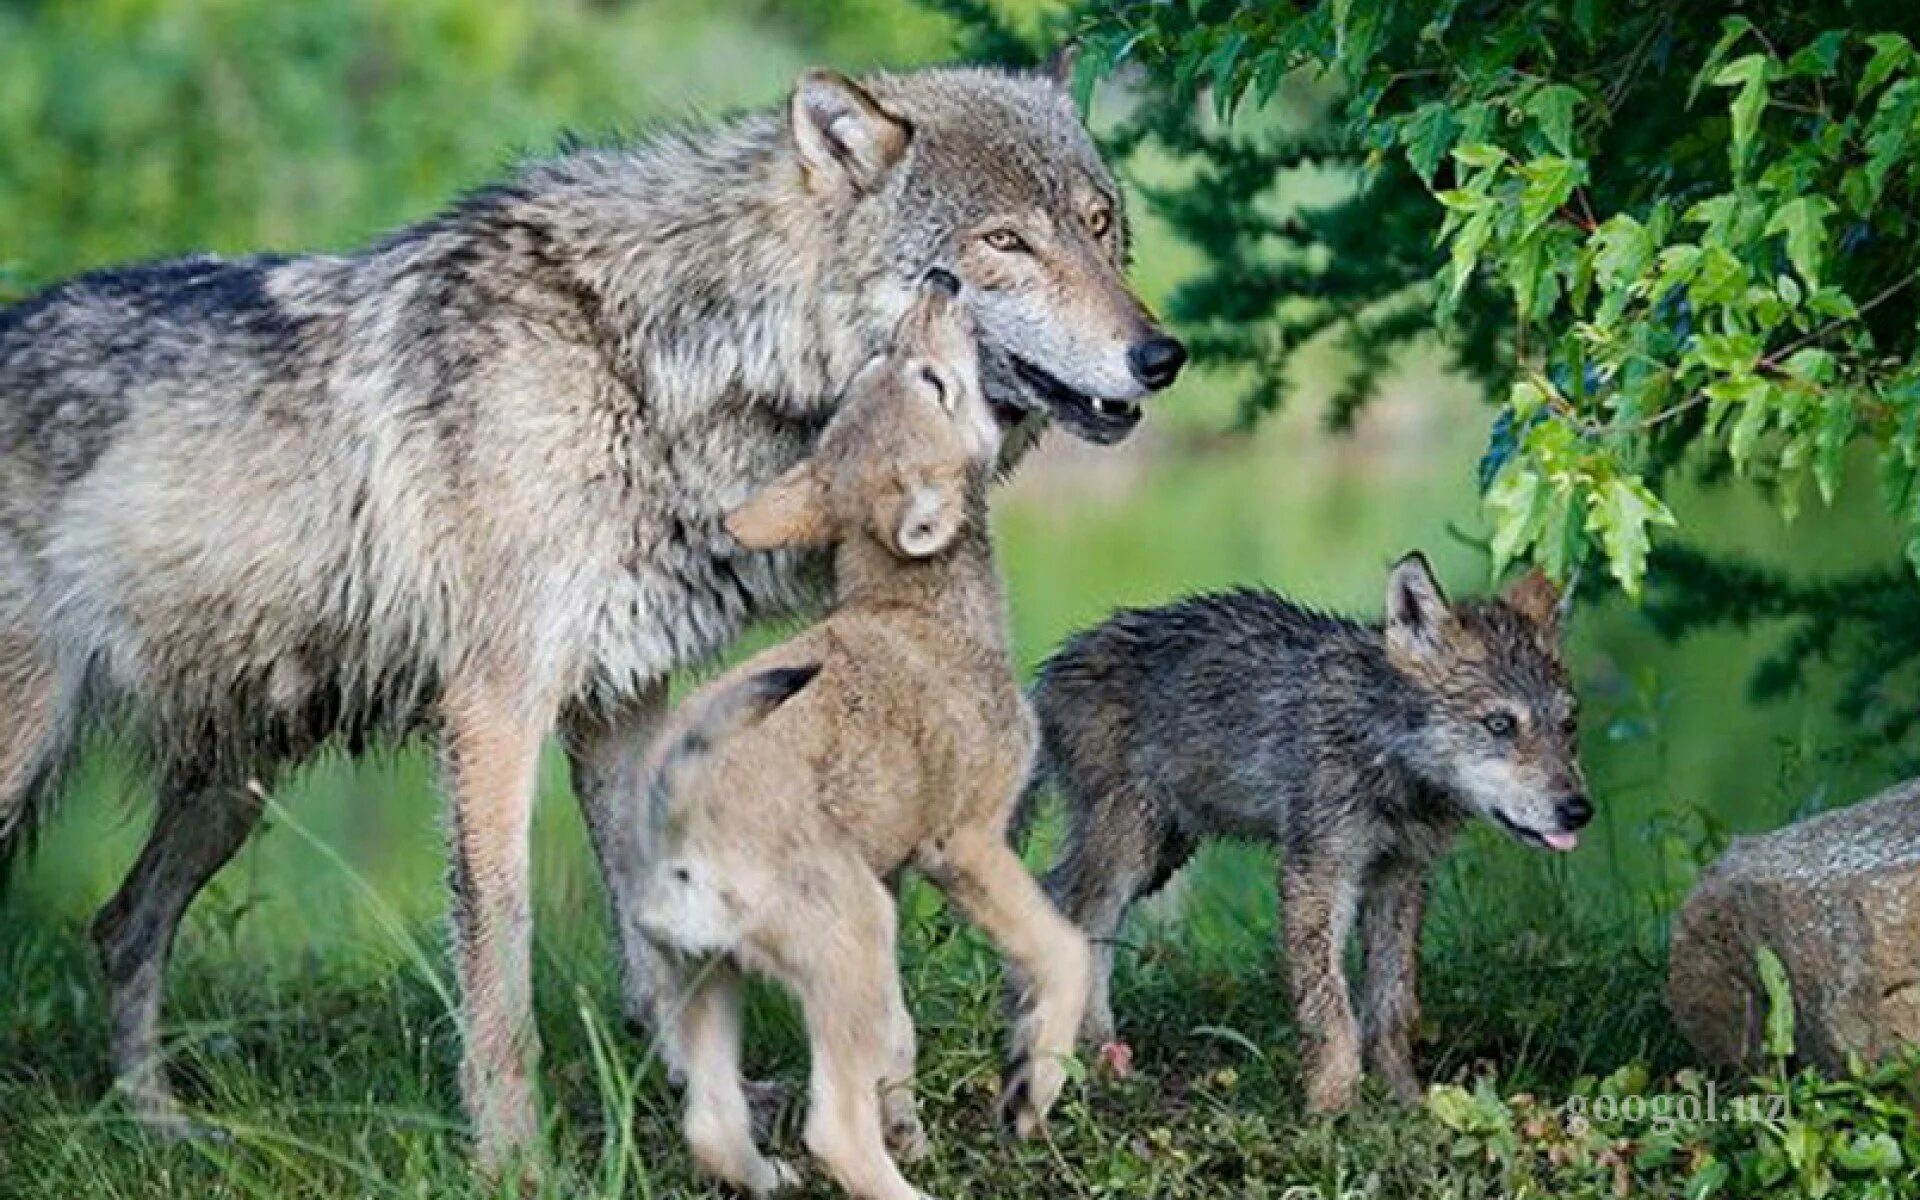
(704, 260)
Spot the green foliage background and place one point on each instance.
(1676, 242)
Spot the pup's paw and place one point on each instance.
(785, 1178)
(767, 1103)
(1032, 1086)
(1403, 1085)
(1331, 1092)
(906, 1138)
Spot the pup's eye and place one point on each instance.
(1570, 724)
(1099, 222)
(932, 379)
(1499, 724)
(1008, 242)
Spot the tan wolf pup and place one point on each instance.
(786, 794)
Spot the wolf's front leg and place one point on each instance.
(492, 739)
(1319, 892)
(1390, 914)
(607, 753)
(991, 885)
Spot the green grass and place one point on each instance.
(326, 1058)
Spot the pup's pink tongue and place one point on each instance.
(1117, 1057)
(1561, 841)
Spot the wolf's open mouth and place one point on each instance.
(1095, 418)
(1559, 841)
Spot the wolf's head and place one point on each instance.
(907, 454)
(991, 176)
(1500, 723)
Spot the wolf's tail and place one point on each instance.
(36, 750)
(745, 703)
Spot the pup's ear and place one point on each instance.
(1062, 63)
(928, 518)
(847, 142)
(790, 511)
(1419, 623)
(1535, 597)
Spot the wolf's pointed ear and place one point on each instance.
(1535, 597)
(790, 511)
(1419, 623)
(847, 142)
(1062, 63)
(929, 518)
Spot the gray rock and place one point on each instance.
(1837, 897)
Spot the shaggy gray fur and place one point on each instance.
(1358, 749)
(471, 479)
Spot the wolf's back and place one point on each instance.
(172, 353)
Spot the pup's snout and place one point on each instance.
(1156, 362)
(1574, 812)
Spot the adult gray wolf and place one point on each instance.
(778, 817)
(1359, 749)
(471, 481)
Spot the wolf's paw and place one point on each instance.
(177, 1127)
(1033, 1084)
(159, 1114)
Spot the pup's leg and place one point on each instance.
(706, 1029)
(1390, 912)
(899, 1110)
(607, 755)
(991, 885)
(492, 752)
(196, 830)
(1319, 890)
(841, 956)
(1119, 847)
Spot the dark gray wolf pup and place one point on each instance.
(471, 480)
(1358, 749)
(891, 734)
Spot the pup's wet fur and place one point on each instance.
(788, 793)
(1359, 749)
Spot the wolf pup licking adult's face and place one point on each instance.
(1003, 187)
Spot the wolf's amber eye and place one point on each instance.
(1008, 242)
(1499, 724)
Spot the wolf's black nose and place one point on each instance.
(1574, 812)
(941, 279)
(1157, 361)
